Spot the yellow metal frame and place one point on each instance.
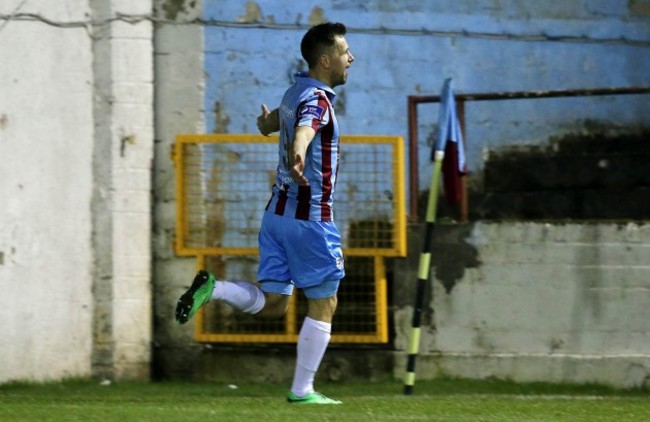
(398, 189)
(291, 335)
(178, 159)
(399, 198)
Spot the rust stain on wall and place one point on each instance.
(215, 207)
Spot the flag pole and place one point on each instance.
(424, 268)
(447, 129)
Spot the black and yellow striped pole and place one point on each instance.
(423, 272)
(448, 131)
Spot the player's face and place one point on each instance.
(341, 60)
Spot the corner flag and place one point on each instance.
(450, 140)
(448, 152)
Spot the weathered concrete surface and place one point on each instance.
(214, 79)
(76, 236)
(518, 301)
(178, 92)
(586, 176)
(525, 51)
(537, 302)
(275, 364)
(46, 131)
(631, 371)
(76, 138)
(121, 204)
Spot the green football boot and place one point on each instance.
(199, 293)
(311, 398)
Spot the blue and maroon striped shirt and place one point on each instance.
(308, 102)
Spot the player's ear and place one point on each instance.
(324, 61)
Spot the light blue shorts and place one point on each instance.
(305, 254)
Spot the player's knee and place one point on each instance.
(276, 306)
(322, 309)
(277, 311)
(332, 302)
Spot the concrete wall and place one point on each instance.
(76, 135)
(46, 144)
(121, 202)
(77, 148)
(532, 302)
(179, 109)
(409, 47)
(213, 78)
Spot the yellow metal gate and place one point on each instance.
(223, 182)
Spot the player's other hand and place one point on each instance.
(296, 171)
(263, 121)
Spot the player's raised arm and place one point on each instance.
(302, 137)
(269, 121)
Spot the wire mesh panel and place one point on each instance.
(361, 315)
(224, 182)
(370, 208)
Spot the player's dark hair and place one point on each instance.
(318, 39)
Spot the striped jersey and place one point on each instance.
(308, 102)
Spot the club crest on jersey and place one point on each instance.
(339, 262)
(311, 110)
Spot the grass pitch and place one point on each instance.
(445, 400)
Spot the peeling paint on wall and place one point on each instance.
(341, 103)
(297, 66)
(172, 8)
(252, 13)
(316, 16)
(221, 118)
(639, 7)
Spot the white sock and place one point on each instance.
(312, 342)
(241, 295)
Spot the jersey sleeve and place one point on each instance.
(314, 111)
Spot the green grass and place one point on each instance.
(445, 400)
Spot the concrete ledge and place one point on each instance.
(621, 371)
(275, 364)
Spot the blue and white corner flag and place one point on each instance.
(450, 141)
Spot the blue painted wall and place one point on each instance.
(408, 47)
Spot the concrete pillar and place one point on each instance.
(122, 162)
(179, 93)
